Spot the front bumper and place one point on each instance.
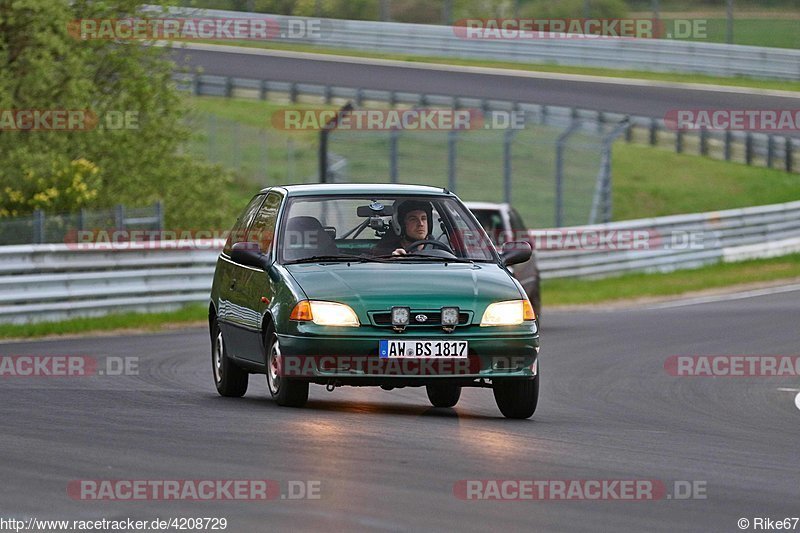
(493, 353)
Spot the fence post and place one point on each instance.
(770, 150)
(560, 144)
(748, 145)
(228, 86)
(196, 84)
(789, 154)
(38, 226)
(237, 144)
(728, 143)
(602, 200)
(119, 216)
(159, 207)
(452, 140)
(653, 132)
(629, 133)
(703, 141)
(508, 138)
(263, 90)
(323, 140)
(293, 93)
(394, 134)
(328, 95)
(82, 219)
(679, 141)
(290, 160)
(212, 138)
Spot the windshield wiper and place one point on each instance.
(426, 257)
(334, 258)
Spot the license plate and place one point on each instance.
(423, 349)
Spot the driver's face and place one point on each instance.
(416, 225)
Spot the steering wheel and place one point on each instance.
(434, 243)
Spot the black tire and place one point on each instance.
(286, 392)
(443, 395)
(230, 380)
(517, 398)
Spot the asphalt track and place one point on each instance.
(386, 461)
(649, 99)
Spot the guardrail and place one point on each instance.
(58, 281)
(675, 242)
(41, 228)
(635, 54)
(752, 148)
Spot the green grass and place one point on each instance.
(117, 321)
(740, 81)
(650, 182)
(584, 291)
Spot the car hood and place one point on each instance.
(376, 286)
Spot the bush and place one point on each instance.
(43, 66)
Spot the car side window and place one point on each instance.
(263, 229)
(238, 233)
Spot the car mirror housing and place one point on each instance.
(516, 252)
(249, 253)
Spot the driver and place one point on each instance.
(411, 222)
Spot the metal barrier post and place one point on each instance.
(603, 185)
(703, 141)
(119, 216)
(323, 140)
(508, 138)
(748, 147)
(728, 142)
(560, 144)
(394, 134)
(38, 226)
(452, 141)
(770, 150)
(159, 207)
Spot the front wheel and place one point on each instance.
(443, 395)
(229, 379)
(517, 398)
(287, 392)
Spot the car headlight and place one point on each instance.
(510, 313)
(325, 313)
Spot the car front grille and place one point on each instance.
(434, 318)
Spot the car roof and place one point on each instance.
(316, 189)
(485, 205)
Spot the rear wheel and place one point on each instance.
(517, 398)
(443, 395)
(286, 391)
(229, 379)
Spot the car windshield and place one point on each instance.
(339, 228)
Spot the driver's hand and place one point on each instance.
(399, 251)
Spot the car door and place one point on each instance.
(253, 288)
(227, 278)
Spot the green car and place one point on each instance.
(371, 285)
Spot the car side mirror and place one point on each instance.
(249, 253)
(516, 252)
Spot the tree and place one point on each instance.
(129, 153)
